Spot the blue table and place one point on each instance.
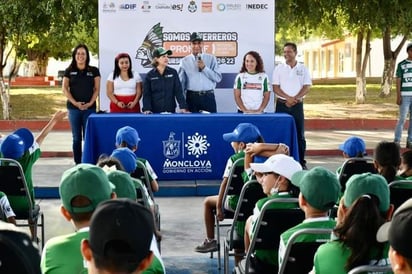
(184, 146)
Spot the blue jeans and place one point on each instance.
(297, 112)
(404, 109)
(78, 120)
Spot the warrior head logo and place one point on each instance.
(153, 39)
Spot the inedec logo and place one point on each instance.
(257, 6)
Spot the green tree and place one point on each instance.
(19, 18)
(394, 20)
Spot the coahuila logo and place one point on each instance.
(196, 146)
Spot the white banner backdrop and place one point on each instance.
(229, 30)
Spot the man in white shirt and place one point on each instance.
(291, 82)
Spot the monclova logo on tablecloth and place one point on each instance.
(224, 45)
(176, 151)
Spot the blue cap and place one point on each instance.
(128, 135)
(27, 136)
(14, 145)
(244, 132)
(353, 146)
(126, 157)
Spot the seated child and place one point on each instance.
(129, 137)
(277, 172)
(351, 148)
(243, 134)
(319, 192)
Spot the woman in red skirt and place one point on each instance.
(124, 86)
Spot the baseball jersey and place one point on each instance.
(252, 88)
(232, 199)
(124, 87)
(321, 222)
(331, 257)
(6, 209)
(152, 174)
(26, 161)
(291, 80)
(269, 256)
(62, 254)
(404, 72)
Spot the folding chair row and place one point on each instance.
(271, 223)
(13, 184)
(355, 166)
(400, 191)
(298, 256)
(233, 187)
(371, 269)
(251, 193)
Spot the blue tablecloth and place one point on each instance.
(184, 146)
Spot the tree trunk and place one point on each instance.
(361, 65)
(389, 62)
(42, 62)
(5, 99)
(4, 94)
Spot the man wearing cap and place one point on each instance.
(364, 207)
(162, 87)
(120, 237)
(319, 192)
(352, 147)
(244, 133)
(277, 172)
(291, 82)
(21, 146)
(199, 73)
(81, 189)
(398, 233)
(404, 96)
(129, 137)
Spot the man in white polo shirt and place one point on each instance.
(291, 82)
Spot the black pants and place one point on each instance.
(297, 112)
(201, 101)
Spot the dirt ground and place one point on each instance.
(350, 111)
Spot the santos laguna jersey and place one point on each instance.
(252, 88)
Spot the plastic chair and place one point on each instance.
(355, 166)
(142, 174)
(13, 184)
(251, 192)
(271, 223)
(233, 187)
(298, 257)
(400, 191)
(370, 269)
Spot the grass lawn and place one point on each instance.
(323, 101)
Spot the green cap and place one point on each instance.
(319, 186)
(367, 183)
(84, 180)
(124, 184)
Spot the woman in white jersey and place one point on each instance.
(251, 88)
(124, 86)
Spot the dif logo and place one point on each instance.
(128, 6)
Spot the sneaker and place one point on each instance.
(207, 246)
